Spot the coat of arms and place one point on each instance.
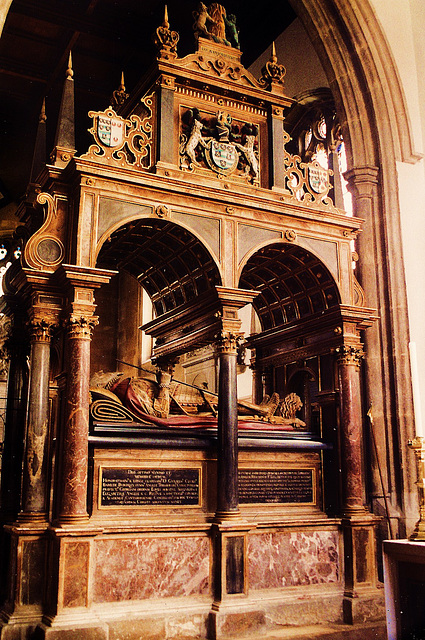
(318, 177)
(110, 131)
(220, 144)
(222, 156)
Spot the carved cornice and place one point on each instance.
(350, 355)
(81, 327)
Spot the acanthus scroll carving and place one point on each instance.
(81, 327)
(228, 342)
(41, 329)
(350, 355)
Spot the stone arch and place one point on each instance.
(168, 260)
(293, 284)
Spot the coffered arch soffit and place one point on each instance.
(293, 284)
(168, 260)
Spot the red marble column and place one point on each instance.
(34, 494)
(73, 499)
(349, 358)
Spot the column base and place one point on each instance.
(366, 606)
(72, 626)
(228, 620)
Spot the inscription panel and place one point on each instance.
(271, 486)
(149, 487)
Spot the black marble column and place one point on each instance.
(227, 447)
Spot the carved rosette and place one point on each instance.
(228, 342)
(350, 355)
(81, 327)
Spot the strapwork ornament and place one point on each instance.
(166, 40)
(126, 142)
(272, 72)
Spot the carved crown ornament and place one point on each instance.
(120, 141)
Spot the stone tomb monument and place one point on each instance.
(155, 503)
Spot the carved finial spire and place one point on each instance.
(166, 40)
(119, 96)
(273, 73)
(39, 155)
(69, 71)
(42, 117)
(166, 24)
(64, 147)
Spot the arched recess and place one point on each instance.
(376, 129)
(169, 261)
(293, 284)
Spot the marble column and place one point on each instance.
(17, 347)
(349, 359)
(73, 498)
(227, 446)
(34, 494)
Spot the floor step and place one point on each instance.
(367, 631)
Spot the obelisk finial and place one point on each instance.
(64, 148)
(166, 24)
(69, 71)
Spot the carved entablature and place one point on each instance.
(124, 142)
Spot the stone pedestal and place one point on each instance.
(363, 600)
(404, 578)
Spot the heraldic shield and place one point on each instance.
(222, 156)
(110, 131)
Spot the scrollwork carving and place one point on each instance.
(125, 142)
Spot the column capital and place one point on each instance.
(362, 180)
(81, 326)
(350, 354)
(228, 341)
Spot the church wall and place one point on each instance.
(295, 51)
(405, 37)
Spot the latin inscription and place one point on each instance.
(140, 487)
(257, 486)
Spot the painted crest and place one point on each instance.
(222, 156)
(318, 178)
(110, 131)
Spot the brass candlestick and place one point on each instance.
(418, 446)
